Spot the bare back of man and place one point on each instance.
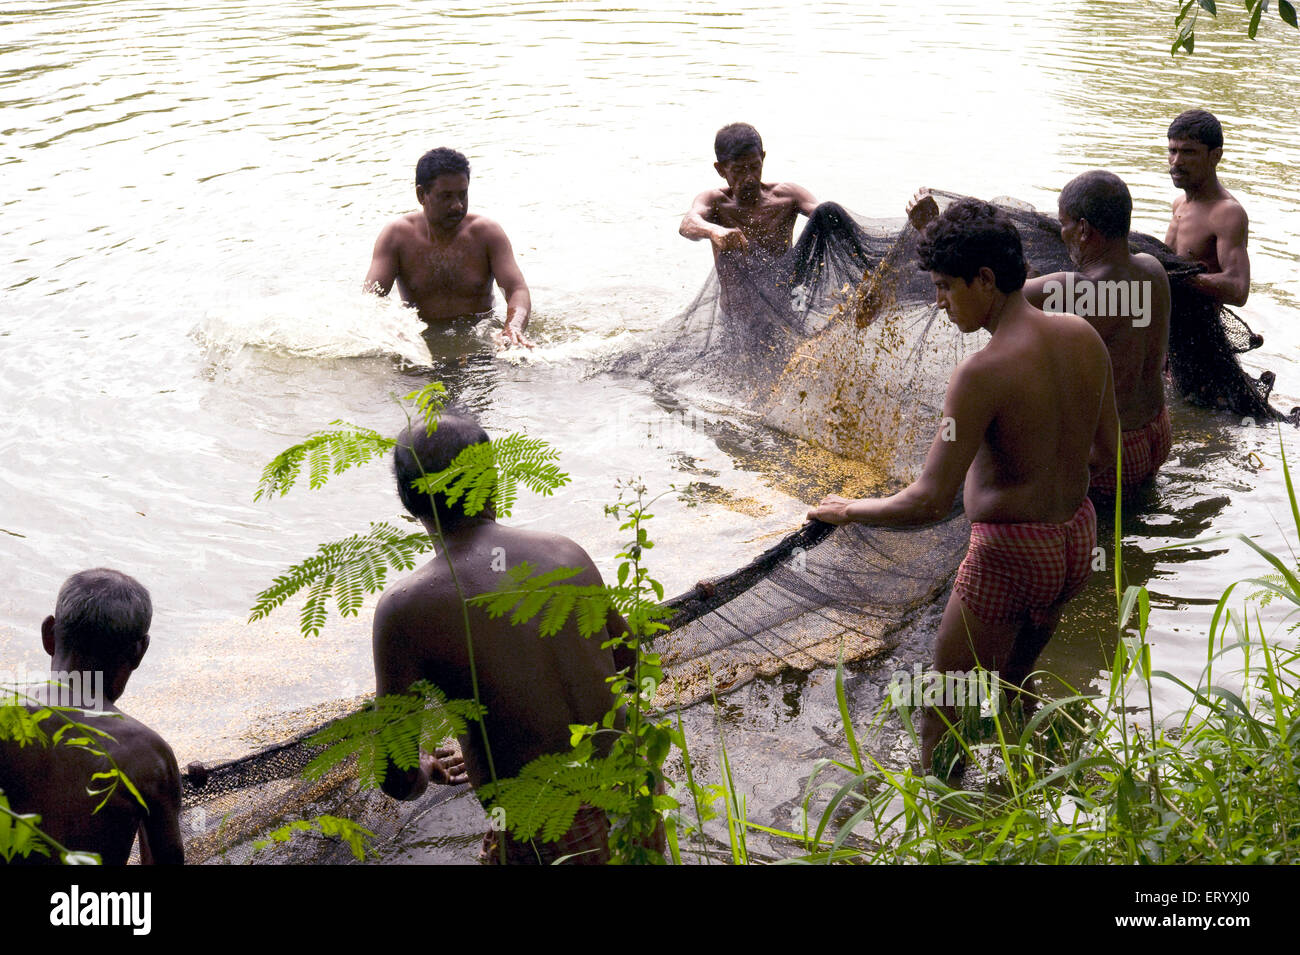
(1039, 384)
(1136, 338)
(100, 626)
(54, 781)
(533, 688)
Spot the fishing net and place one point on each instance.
(836, 344)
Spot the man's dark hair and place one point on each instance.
(1198, 125)
(1102, 198)
(102, 613)
(455, 433)
(736, 140)
(969, 236)
(438, 162)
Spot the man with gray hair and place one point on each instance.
(1125, 297)
(100, 630)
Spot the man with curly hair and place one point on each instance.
(1020, 420)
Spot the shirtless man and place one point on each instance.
(1022, 416)
(750, 217)
(533, 688)
(1126, 298)
(750, 223)
(100, 623)
(1208, 224)
(444, 258)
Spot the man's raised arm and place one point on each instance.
(1036, 288)
(519, 303)
(1231, 286)
(696, 225)
(383, 263)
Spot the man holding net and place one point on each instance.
(749, 216)
(1208, 224)
(750, 223)
(1126, 299)
(1020, 420)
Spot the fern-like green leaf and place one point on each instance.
(348, 570)
(392, 728)
(492, 472)
(546, 795)
(20, 833)
(356, 836)
(1267, 596)
(325, 453)
(524, 595)
(21, 725)
(430, 401)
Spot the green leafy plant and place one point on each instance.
(392, 728)
(615, 765)
(1190, 10)
(357, 838)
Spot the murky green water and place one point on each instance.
(192, 194)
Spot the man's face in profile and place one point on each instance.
(744, 175)
(1069, 234)
(445, 200)
(962, 301)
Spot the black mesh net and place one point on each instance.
(836, 344)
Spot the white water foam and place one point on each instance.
(317, 326)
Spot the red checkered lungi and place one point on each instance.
(1144, 449)
(587, 841)
(1014, 571)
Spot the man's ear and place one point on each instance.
(419, 194)
(47, 634)
(986, 274)
(142, 647)
(718, 166)
(1215, 155)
